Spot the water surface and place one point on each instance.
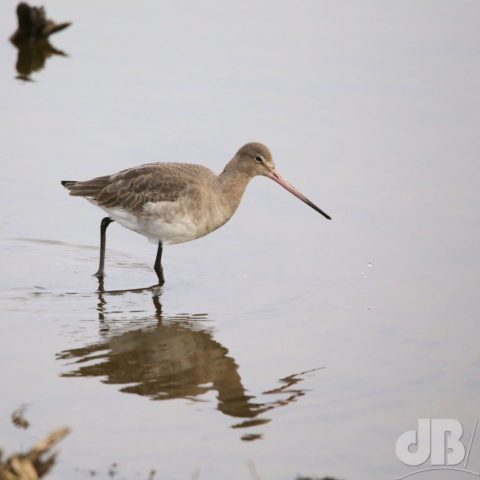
(284, 340)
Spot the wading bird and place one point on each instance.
(177, 202)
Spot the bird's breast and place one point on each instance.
(194, 214)
(174, 222)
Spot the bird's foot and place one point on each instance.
(161, 278)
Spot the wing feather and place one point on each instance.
(131, 189)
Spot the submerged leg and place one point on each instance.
(103, 238)
(158, 265)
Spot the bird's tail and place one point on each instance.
(68, 183)
(90, 188)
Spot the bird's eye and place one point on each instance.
(259, 158)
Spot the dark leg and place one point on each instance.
(158, 308)
(158, 265)
(103, 238)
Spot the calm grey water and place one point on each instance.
(283, 341)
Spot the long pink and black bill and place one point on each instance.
(281, 181)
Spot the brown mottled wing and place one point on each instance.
(132, 188)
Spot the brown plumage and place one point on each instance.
(177, 202)
(131, 189)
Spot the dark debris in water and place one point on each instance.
(301, 477)
(36, 462)
(39, 460)
(18, 417)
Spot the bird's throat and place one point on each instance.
(232, 185)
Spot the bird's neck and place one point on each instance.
(232, 184)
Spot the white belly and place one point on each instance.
(164, 228)
(169, 223)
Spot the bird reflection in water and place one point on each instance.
(174, 357)
(31, 40)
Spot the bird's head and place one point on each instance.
(255, 159)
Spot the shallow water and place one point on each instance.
(283, 342)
